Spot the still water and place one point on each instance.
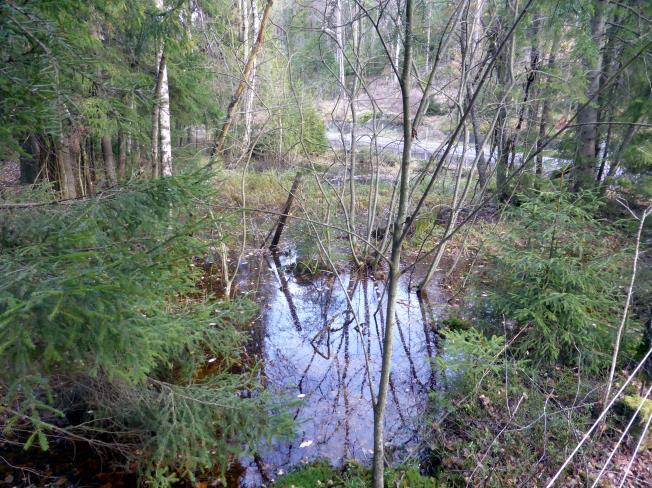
(314, 344)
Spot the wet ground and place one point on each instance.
(388, 139)
(315, 343)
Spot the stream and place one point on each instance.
(389, 139)
(312, 343)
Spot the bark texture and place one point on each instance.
(587, 130)
(109, 160)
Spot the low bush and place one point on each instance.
(353, 475)
(301, 132)
(557, 274)
(497, 421)
(435, 108)
(103, 340)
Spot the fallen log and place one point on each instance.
(286, 212)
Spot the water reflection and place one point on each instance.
(312, 345)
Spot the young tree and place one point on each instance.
(400, 224)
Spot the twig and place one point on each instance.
(630, 291)
(588, 433)
(634, 454)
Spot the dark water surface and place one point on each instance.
(315, 343)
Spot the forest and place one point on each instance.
(310, 243)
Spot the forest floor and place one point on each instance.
(9, 178)
(296, 309)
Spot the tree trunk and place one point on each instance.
(109, 160)
(155, 139)
(286, 212)
(478, 141)
(615, 160)
(249, 104)
(355, 43)
(503, 141)
(122, 155)
(339, 38)
(88, 171)
(161, 129)
(235, 100)
(587, 130)
(66, 155)
(529, 87)
(504, 137)
(164, 121)
(545, 109)
(395, 264)
(29, 160)
(244, 38)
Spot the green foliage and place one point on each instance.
(303, 132)
(637, 159)
(633, 402)
(409, 477)
(456, 324)
(98, 323)
(308, 476)
(90, 67)
(435, 107)
(557, 273)
(352, 475)
(312, 136)
(475, 439)
(365, 117)
(469, 354)
(313, 58)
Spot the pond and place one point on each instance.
(314, 344)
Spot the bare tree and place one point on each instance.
(400, 224)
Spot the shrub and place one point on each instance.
(557, 274)
(303, 131)
(476, 440)
(352, 475)
(435, 107)
(101, 337)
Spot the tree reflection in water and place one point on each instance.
(310, 345)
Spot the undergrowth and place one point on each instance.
(103, 340)
(353, 475)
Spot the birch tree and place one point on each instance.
(251, 88)
(161, 114)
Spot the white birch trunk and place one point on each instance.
(164, 112)
(244, 29)
(249, 102)
(164, 117)
(339, 37)
(155, 136)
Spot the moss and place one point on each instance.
(455, 324)
(353, 475)
(365, 117)
(309, 476)
(409, 477)
(632, 402)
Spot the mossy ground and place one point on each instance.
(353, 475)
